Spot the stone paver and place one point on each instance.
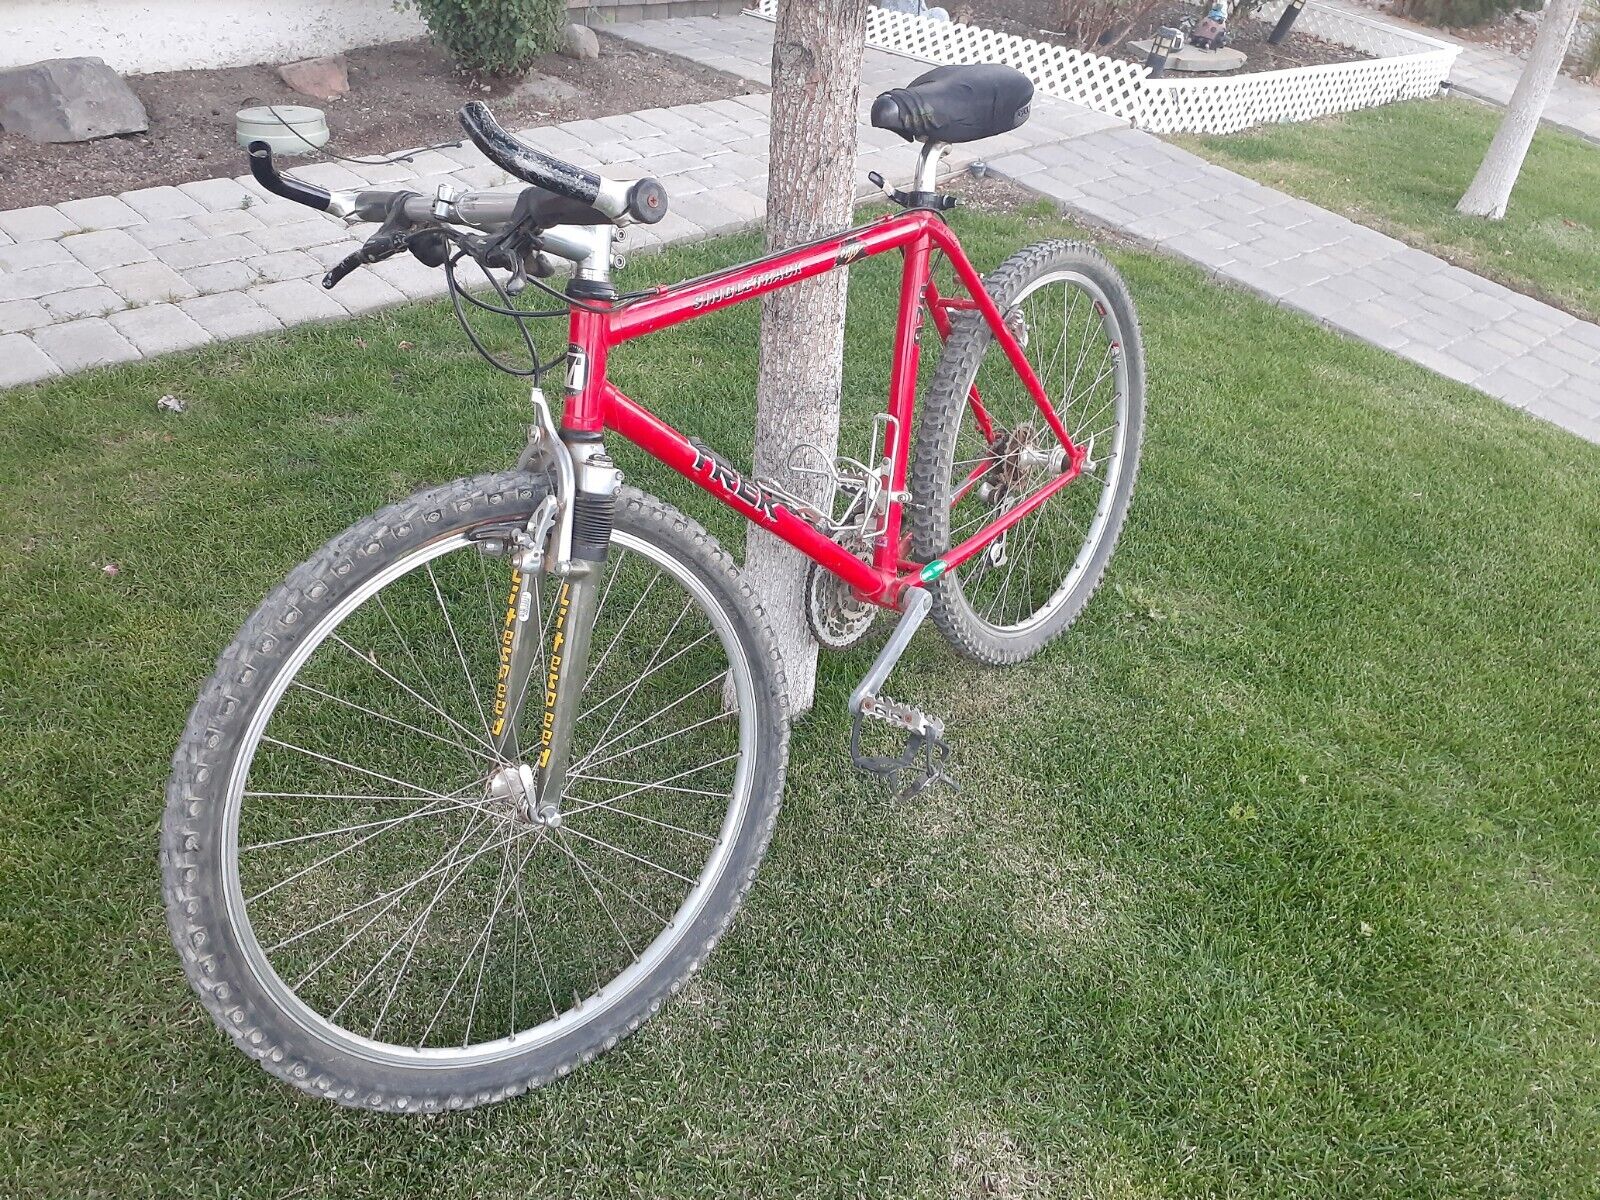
(160, 329)
(22, 361)
(148, 283)
(79, 345)
(295, 301)
(229, 315)
(19, 315)
(36, 223)
(100, 212)
(113, 278)
(85, 302)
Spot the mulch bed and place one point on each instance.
(401, 95)
(1042, 20)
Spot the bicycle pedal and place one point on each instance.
(924, 757)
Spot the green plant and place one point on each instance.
(492, 37)
(1094, 23)
(1586, 43)
(1460, 13)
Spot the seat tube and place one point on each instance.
(903, 392)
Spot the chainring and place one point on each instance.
(836, 617)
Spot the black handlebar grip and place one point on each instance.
(525, 162)
(343, 268)
(289, 188)
(647, 201)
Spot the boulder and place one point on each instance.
(579, 41)
(320, 78)
(68, 100)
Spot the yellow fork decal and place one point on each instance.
(547, 729)
(508, 631)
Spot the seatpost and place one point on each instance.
(928, 166)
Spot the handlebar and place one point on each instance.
(644, 201)
(562, 209)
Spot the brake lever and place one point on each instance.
(375, 249)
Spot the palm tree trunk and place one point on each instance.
(1491, 187)
(816, 78)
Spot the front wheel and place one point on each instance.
(982, 447)
(353, 896)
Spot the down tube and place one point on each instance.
(664, 443)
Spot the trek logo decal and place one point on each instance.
(741, 287)
(547, 729)
(730, 481)
(516, 609)
(577, 369)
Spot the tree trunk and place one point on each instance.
(1491, 187)
(816, 78)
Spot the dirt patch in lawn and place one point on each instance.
(401, 95)
(1042, 20)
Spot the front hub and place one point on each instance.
(515, 788)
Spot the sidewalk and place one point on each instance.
(114, 279)
(1485, 73)
(1344, 275)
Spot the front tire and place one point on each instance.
(368, 706)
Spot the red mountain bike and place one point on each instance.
(483, 781)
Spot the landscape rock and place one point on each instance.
(546, 89)
(320, 78)
(68, 100)
(579, 41)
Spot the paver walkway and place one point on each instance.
(1346, 276)
(116, 278)
(113, 279)
(1486, 73)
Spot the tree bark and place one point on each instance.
(1490, 191)
(816, 81)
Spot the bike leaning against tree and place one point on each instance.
(483, 781)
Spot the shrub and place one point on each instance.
(1096, 23)
(493, 37)
(1460, 13)
(1586, 43)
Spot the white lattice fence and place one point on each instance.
(1092, 80)
(1409, 65)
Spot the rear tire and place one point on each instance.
(948, 445)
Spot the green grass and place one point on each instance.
(1276, 877)
(1402, 168)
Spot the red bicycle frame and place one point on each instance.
(594, 404)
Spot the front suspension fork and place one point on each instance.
(568, 538)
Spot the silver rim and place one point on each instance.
(1076, 345)
(613, 778)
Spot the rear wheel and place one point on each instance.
(971, 465)
(354, 890)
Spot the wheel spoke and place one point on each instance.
(409, 906)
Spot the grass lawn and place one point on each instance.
(1278, 876)
(1402, 168)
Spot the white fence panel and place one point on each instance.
(1092, 80)
(1409, 65)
